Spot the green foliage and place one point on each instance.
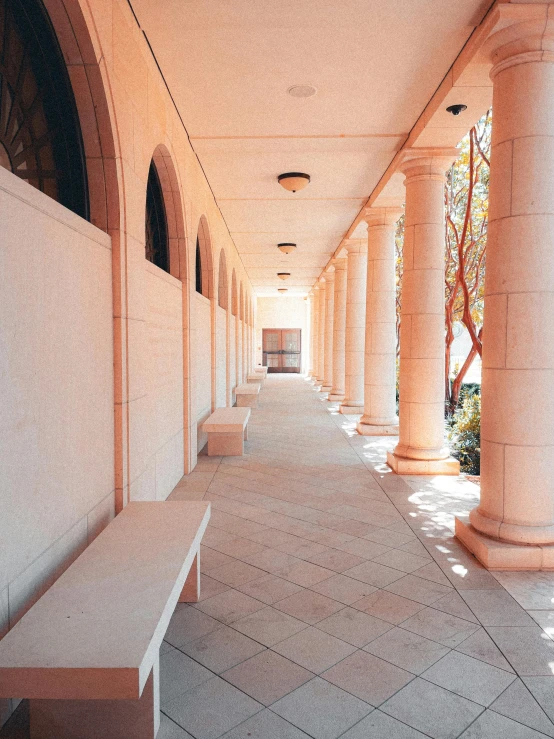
(465, 432)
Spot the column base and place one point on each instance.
(335, 396)
(407, 466)
(351, 410)
(499, 555)
(368, 429)
(325, 389)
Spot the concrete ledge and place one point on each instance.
(351, 410)
(407, 466)
(368, 429)
(499, 555)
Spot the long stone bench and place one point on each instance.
(247, 395)
(227, 428)
(87, 653)
(256, 377)
(261, 370)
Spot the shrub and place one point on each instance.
(465, 434)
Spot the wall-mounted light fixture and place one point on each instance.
(293, 181)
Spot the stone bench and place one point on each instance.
(87, 653)
(256, 377)
(227, 428)
(261, 370)
(247, 395)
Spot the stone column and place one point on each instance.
(315, 333)
(380, 417)
(339, 330)
(356, 271)
(321, 332)
(513, 526)
(421, 450)
(310, 304)
(329, 278)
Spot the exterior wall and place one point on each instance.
(201, 354)
(56, 358)
(232, 356)
(282, 312)
(221, 358)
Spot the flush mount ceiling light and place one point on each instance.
(286, 248)
(456, 109)
(302, 91)
(282, 289)
(293, 181)
(283, 275)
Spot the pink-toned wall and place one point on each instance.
(107, 363)
(221, 358)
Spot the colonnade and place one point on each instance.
(513, 526)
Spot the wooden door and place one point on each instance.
(282, 349)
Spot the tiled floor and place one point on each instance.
(336, 602)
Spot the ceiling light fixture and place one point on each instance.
(282, 289)
(456, 109)
(302, 91)
(293, 181)
(286, 248)
(283, 275)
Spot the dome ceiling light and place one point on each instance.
(282, 289)
(286, 248)
(283, 275)
(293, 181)
(302, 91)
(456, 109)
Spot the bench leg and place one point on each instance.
(225, 444)
(191, 589)
(246, 433)
(99, 719)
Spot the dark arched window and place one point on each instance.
(40, 136)
(198, 267)
(157, 246)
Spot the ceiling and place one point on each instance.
(229, 64)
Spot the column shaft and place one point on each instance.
(321, 334)
(421, 450)
(380, 417)
(310, 367)
(328, 353)
(517, 414)
(356, 269)
(339, 331)
(315, 325)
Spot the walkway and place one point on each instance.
(324, 614)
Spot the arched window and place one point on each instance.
(40, 136)
(222, 292)
(234, 295)
(198, 267)
(157, 245)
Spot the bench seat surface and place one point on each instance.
(96, 632)
(227, 420)
(252, 388)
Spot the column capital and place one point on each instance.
(329, 275)
(386, 215)
(339, 263)
(355, 246)
(427, 162)
(524, 32)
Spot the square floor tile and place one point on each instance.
(239, 548)
(493, 726)
(527, 649)
(374, 574)
(236, 573)
(400, 560)
(364, 548)
(432, 710)
(442, 627)
(210, 587)
(188, 624)
(229, 606)
(222, 649)
(354, 627)
(266, 725)
(496, 608)
(269, 626)
(309, 606)
(211, 709)
(345, 589)
(302, 548)
(380, 726)
(409, 651)
(418, 589)
(321, 710)
(480, 646)
(170, 730)
(271, 560)
(367, 677)
(314, 650)
(334, 559)
(267, 676)
(519, 704)
(211, 558)
(390, 538)
(179, 673)
(269, 589)
(469, 678)
(388, 607)
(305, 573)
